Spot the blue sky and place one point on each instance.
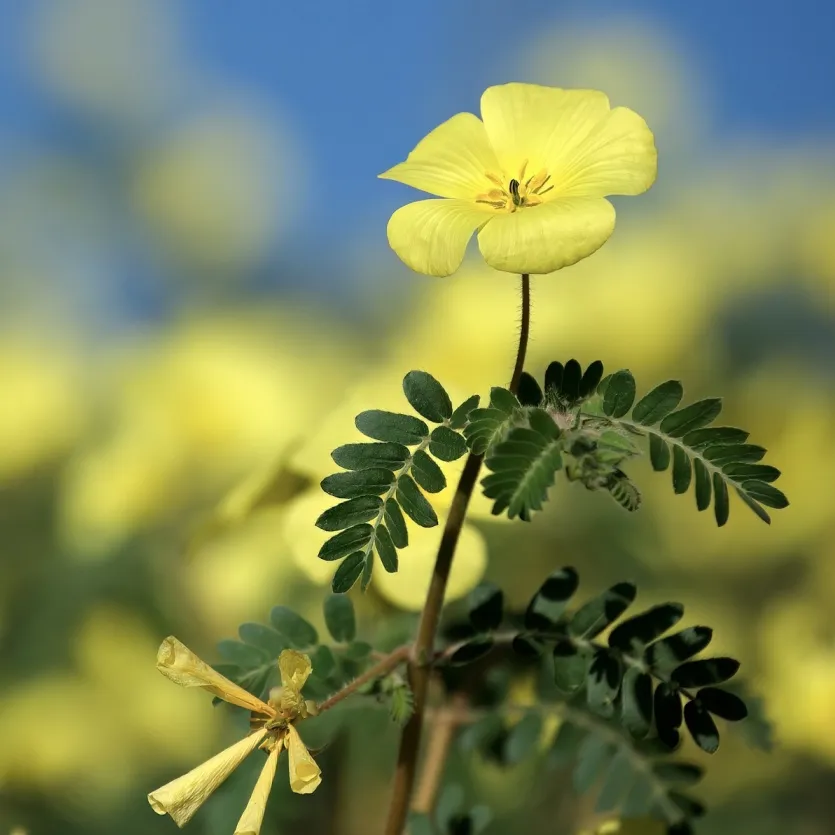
(360, 82)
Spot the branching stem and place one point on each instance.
(421, 658)
(382, 668)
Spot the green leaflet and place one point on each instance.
(354, 483)
(524, 467)
(389, 456)
(447, 445)
(391, 427)
(349, 513)
(414, 503)
(427, 396)
(620, 394)
(657, 404)
(340, 618)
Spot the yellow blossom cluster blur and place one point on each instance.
(163, 476)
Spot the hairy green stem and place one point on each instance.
(419, 664)
(382, 668)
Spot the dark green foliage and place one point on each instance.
(668, 713)
(619, 395)
(656, 405)
(427, 396)
(617, 780)
(264, 638)
(396, 524)
(380, 481)
(414, 503)
(340, 618)
(591, 430)
(461, 414)
(363, 456)
(635, 633)
(350, 513)
(636, 684)
(485, 428)
(636, 702)
(723, 704)
(446, 445)
(571, 667)
(701, 726)
(386, 550)
(354, 483)
(240, 654)
(486, 607)
(548, 604)
(471, 651)
(603, 683)
(529, 394)
(347, 542)
(348, 572)
(293, 627)
(427, 473)
(523, 467)
(665, 655)
(706, 672)
(592, 618)
(391, 427)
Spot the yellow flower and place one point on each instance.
(531, 176)
(182, 797)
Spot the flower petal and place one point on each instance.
(451, 161)
(253, 816)
(305, 775)
(182, 797)
(431, 236)
(295, 668)
(545, 238)
(617, 157)
(533, 124)
(178, 663)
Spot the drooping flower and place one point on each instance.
(531, 176)
(275, 729)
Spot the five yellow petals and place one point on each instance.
(531, 177)
(182, 797)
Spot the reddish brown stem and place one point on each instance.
(419, 664)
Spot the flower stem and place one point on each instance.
(443, 727)
(419, 664)
(382, 668)
(524, 333)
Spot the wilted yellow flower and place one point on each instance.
(531, 176)
(182, 797)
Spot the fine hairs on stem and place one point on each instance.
(419, 663)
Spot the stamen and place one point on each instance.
(543, 182)
(513, 188)
(544, 191)
(522, 171)
(494, 178)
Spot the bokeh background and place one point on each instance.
(195, 290)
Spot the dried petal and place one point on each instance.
(253, 816)
(305, 775)
(182, 797)
(177, 662)
(295, 668)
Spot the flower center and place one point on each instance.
(518, 193)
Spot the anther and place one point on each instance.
(513, 188)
